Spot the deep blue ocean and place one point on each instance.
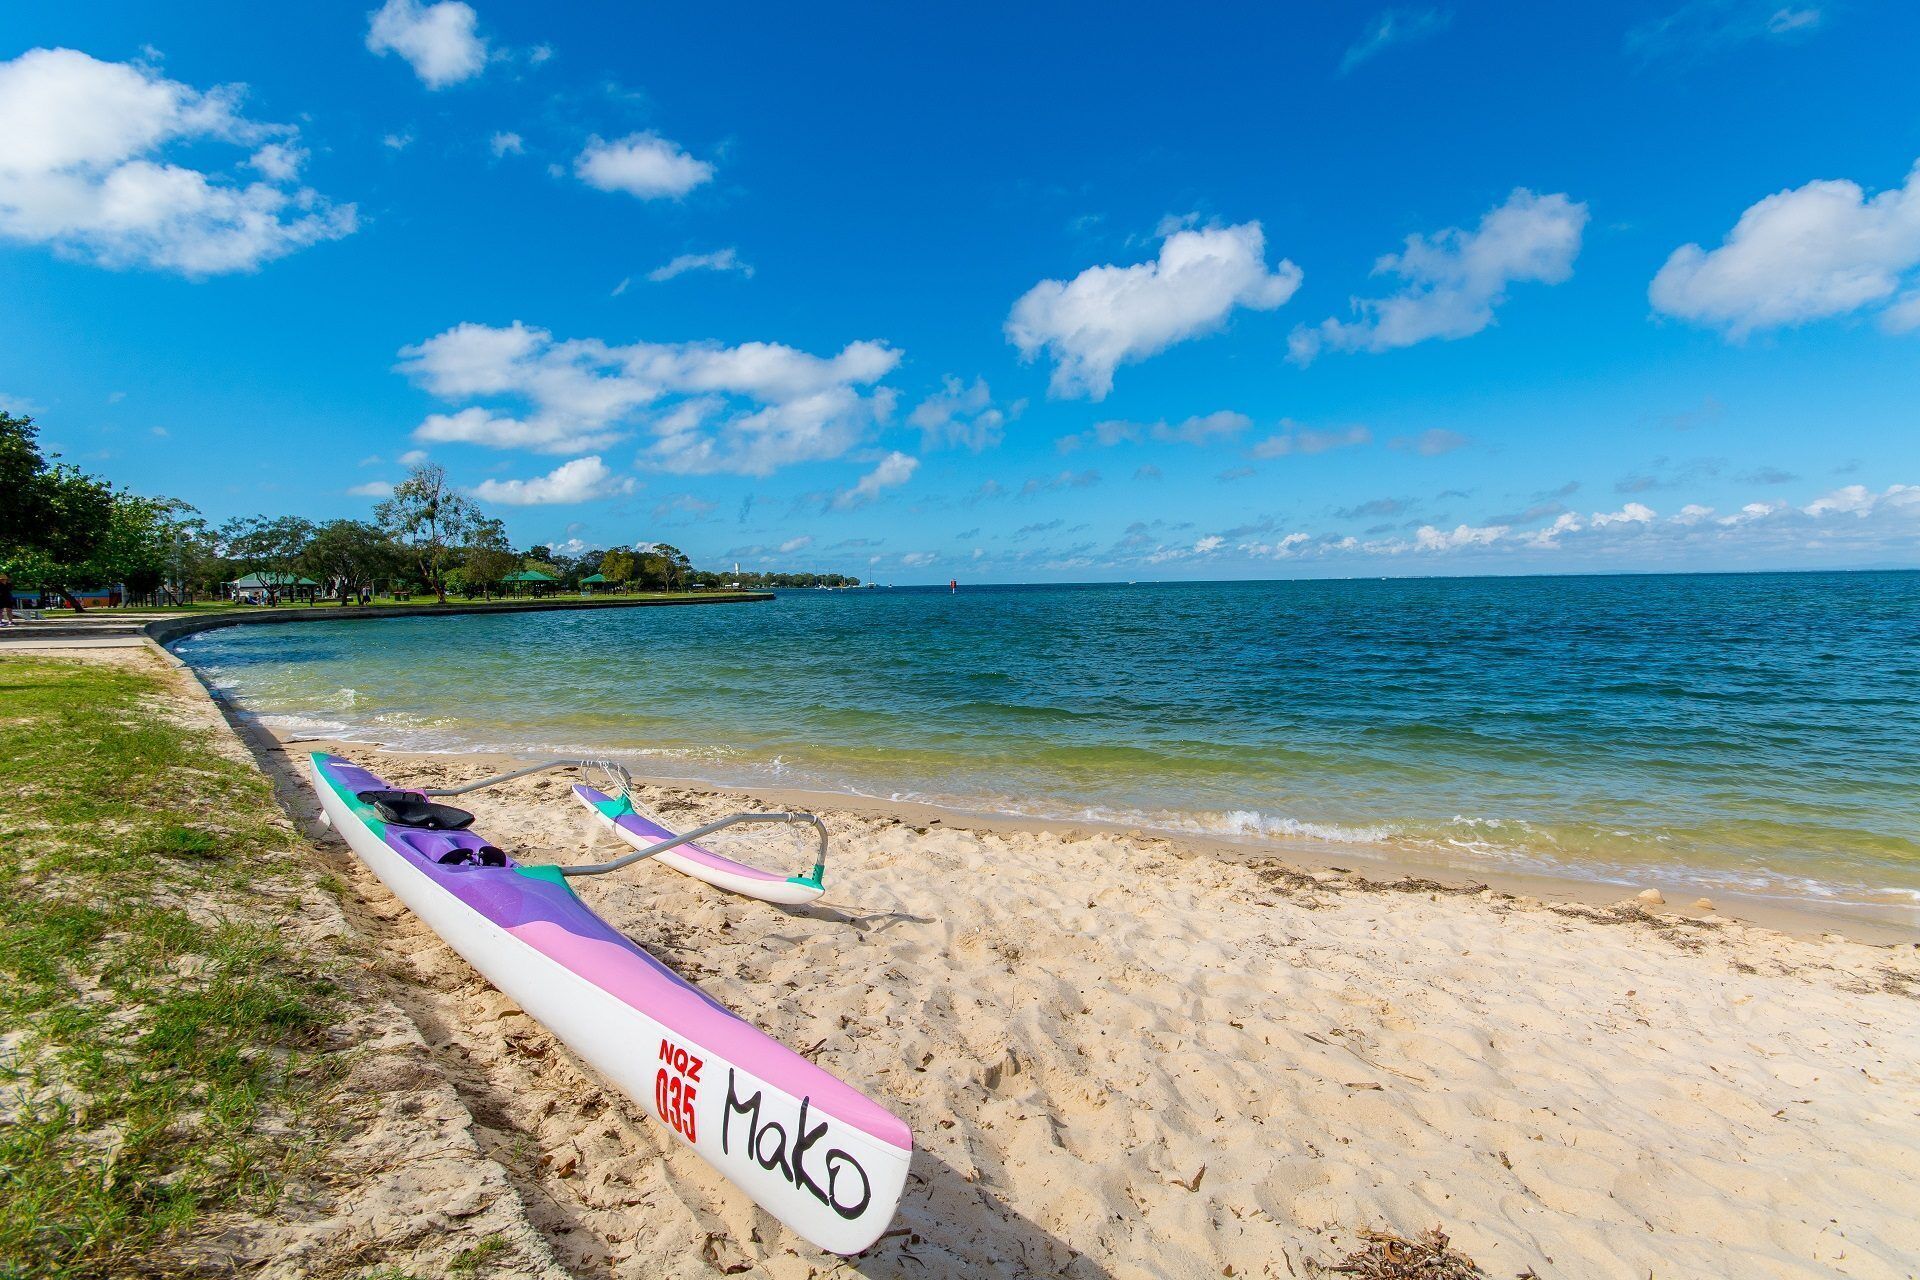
(1741, 731)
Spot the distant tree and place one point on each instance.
(346, 555)
(570, 569)
(489, 557)
(619, 566)
(53, 517)
(271, 546)
(187, 553)
(22, 518)
(134, 551)
(192, 552)
(661, 565)
(431, 521)
(676, 564)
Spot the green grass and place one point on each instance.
(165, 1035)
(470, 1262)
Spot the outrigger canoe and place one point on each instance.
(813, 1151)
(618, 816)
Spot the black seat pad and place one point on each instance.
(485, 855)
(407, 809)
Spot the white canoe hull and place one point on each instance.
(831, 1181)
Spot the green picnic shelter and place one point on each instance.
(529, 582)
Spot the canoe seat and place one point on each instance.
(484, 855)
(452, 850)
(411, 809)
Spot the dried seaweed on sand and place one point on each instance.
(1389, 1257)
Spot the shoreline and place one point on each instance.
(1521, 817)
(1290, 1060)
(1359, 864)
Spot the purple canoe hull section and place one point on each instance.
(527, 931)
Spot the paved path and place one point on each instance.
(45, 643)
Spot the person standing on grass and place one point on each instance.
(6, 601)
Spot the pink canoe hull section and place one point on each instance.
(638, 830)
(816, 1153)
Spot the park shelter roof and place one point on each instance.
(261, 581)
(529, 575)
(593, 577)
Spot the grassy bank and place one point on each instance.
(162, 1038)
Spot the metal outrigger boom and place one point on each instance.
(619, 771)
(733, 819)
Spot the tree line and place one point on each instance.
(62, 530)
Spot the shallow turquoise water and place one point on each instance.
(1747, 731)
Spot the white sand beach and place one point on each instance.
(1122, 1056)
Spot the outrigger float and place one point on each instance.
(820, 1156)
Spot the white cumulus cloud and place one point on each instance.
(1200, 430)
(80, 170)
(727, 259)
(1858, 500)
(1428, 538)
(1631, 513)
(1455, 279)
(1700, 27)
(641, 164)
(1849, 525)
(1110, 315)
(894, 470)
(1815, 251)
(1294, 439)
(507, 144)
(372, 489)
(278, 161)
(440, 41)
(963, 416)
(1394, 26)
(749, 409)
(581, 480)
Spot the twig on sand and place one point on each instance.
(1390, 1257)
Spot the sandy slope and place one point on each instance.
(1120, 1058)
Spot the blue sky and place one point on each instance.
(1003, 294)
